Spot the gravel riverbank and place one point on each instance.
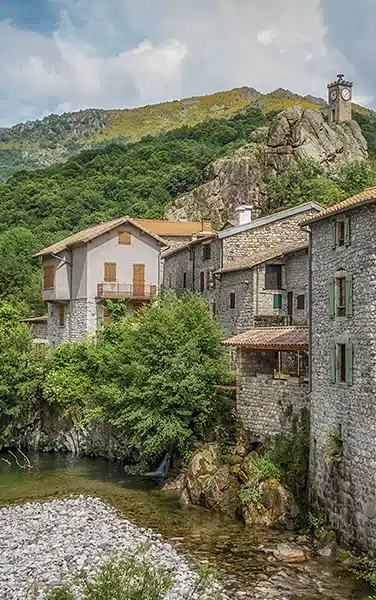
(44, 544)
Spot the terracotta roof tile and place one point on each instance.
(174, 228)
(271, 338)
(258, 259)
(86, 235)
(368, 196)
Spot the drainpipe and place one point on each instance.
(310, 308)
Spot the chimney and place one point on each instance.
(244, 214)
(206, 225)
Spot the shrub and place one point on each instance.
(60, 593)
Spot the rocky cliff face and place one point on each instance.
(295, 134)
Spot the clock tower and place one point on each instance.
(340, 96)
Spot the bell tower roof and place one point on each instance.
(340, 81)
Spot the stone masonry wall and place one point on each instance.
(267, 407)
(296, 281)
(238, 319)
(174, 267)
(346, 487)
(254, 241)
(84, 321)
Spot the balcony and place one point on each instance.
(138, 291)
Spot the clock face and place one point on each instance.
(346, 94)
(333, 95)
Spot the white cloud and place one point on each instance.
(122, 53)
(267, 36)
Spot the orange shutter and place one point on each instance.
(124, 238)
(48, 276)
(109, 271)
(139, 280)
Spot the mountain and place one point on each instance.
(55, 138)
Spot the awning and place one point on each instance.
(260, 339)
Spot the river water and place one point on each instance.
(239, 553)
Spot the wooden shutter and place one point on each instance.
(331, 297)
(333, 228)
(332, 363)
(349, 363)
(347, 231)
(61, 315)
(277, 301)
(124, 238)
(48, 277)
(109, 271)
(349, 296)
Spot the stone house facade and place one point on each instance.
(343, 367)
(114, 260)
(197, 266)
(269, 405)
(270, 290)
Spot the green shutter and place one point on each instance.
(334, 234)
(349, 363)
(277, 300)
(349, 296)
(331, 297)
(332, 363)
(347, 232)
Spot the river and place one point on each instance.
(202, 536)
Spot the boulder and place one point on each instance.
(289, 553)
(174, 486)
(209, 482)
(271, 505)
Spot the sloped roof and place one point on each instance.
(173, 228)
(42, 319)
(283, 214)
(86, 235)
(271, 338)
(368, 196)
(203, 239)
(258, 259)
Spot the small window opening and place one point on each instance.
(184, 280)
(300, 302)
(341, 296)
(341, 362)
(202, 281)
(232, 300)
(340, 233)
(206, 253)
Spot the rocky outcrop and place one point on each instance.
(209, 482)
(53, 430)
(233, 486)
(295, 134)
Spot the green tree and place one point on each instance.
(21, 372)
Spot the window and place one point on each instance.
(48, 277)
(232, 300)
(61, 315)
(300, 302)
(277, 300)
(124, 238)
(214, 308)
(333, 114)
(341, 233)
(341, 363)
(202, 281)
(273, 277)
(206, 252)
(109, 271)
(341, 296)
(184, 280)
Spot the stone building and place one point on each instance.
(270, 289)
(343, 366)
(272, 396)
(118, 259)
(339, 100)
(210, 266)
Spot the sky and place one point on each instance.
(60, 56)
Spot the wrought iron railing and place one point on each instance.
(140, 290)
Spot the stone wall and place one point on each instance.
(345, 487)
(50, 429)
(238, 319)
(296, 281)
(84, 321)
(254, 241)
(267, 407)
(39, 329)
(174, 267)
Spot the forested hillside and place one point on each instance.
(138, 179)
(55, 138)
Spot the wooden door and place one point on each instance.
(139, 281)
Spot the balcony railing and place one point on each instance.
(138, 291)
